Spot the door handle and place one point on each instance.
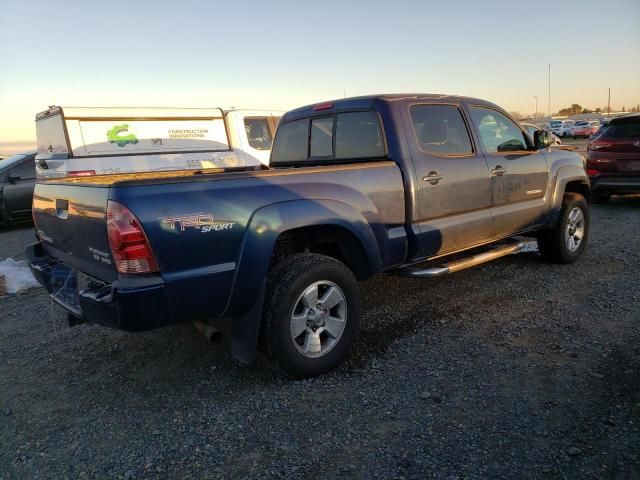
(433, 178)
(498, 171)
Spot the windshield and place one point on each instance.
(7, 162)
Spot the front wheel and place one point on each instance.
(566, 241)
(312, 314)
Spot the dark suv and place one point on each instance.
(613, 161)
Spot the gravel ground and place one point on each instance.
(516, 369)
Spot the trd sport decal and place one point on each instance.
(200, 221)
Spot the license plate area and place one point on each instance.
(633, 165)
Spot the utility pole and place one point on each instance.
(536, 117)
(609, 103)
(549, 90)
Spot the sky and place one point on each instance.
(284, 54)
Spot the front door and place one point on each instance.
(519, 173)
(454, 196)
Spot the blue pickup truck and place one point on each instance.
(415, 185)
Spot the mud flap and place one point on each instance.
(245, 331)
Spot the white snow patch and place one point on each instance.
(15, 277)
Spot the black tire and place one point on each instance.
(287, 280)
(600, 197)
(552, 243)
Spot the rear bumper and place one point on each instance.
(131, 304)
(616, 184)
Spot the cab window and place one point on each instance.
(291, 142)
(497, 132)
(321, 143)
(357, 136)
(440, 130)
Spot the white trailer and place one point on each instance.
(78, 141)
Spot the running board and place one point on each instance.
(462, 264)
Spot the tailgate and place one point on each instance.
(71, 222)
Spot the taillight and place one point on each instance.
(129, 245)
(592, 173)
(323, 106)
(81, 173)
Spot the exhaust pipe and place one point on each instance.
(211, 333)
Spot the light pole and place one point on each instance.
(549, 90)
(536, 117)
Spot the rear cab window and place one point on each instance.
(334, 138)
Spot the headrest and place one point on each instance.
(433, 131)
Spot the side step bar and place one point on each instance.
(464, 263)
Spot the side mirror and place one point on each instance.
(13, 177)
(541, 139)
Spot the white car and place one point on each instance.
(102, 141)
(561, 127)
(555, 126)
(565, 128)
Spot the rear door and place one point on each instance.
(519, 174)
(454, 197)
(18, 188)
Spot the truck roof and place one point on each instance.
(168, 113)
(130, 112)
(368, 101)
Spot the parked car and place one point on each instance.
(530, 128)
(555, 125)
(17, 180)
(99, 141)
(564, 130)
(613, 162)
(585, 129)
(355, 187)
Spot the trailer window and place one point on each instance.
(258, 132)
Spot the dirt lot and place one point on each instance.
(517, 369)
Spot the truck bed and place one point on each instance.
(201, 225)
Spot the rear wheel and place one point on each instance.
(566, 241)
(600, 197)
(312, 314)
